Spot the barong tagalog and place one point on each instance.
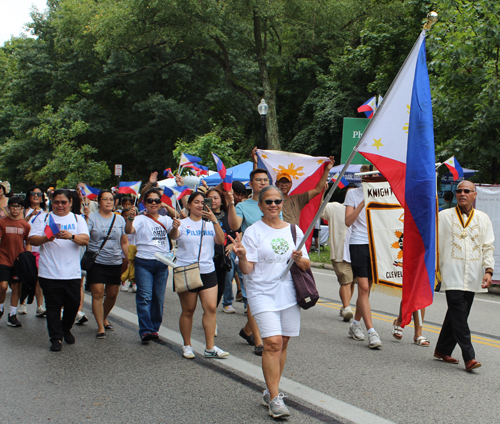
(385, 223)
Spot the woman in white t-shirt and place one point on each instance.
(200, 226)
(355, 217)
(59, 271)
(151, 232)
(264, 253)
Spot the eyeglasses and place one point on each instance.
(262, 180)
(15, 206)
(151, 201)
(36, 194)
(271, 201)
(60, 202)
(465, 190)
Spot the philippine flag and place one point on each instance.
(369, 107)
(188, 159)
(399, 141)
(168, 197)
(455, 168)
(181, 191)
(51, 228)
(131, 187)
(221, 169)
(227, 182)
(343, 183)
(168, 173)
(89, 192)
(305, 173)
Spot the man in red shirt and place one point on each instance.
(14, 232)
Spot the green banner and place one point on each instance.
(351, 133)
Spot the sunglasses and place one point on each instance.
(151, 201)
(60, 202)
(271, 201)
(465, 190)
(36, 194)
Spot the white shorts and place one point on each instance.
(279, 323)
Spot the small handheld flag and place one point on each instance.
(168, 173)
(168, 197)
(131, 187)
(52, 228)
(181, 191)
(369, 107)
(221, 169)
(455, 168)
(342, 183)
(227, 182)
(188, 159)
(89, 192)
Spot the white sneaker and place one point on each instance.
(277, 407)
(187, 352)
(21, 310)
(215, 352)
(228, 309)
(356, 332)
(347, 313)
(374, 340)
(40, 311)
(266, 398)
(123, 287)
(134, 288)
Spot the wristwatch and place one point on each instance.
(72, 236)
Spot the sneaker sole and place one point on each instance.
(228, 312)
(375, 346)
(354, 336)
(284, 414)
(14, 325)
(188, 357)
(217, 356)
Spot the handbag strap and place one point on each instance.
(294, 233)
(201, 239)
(107, 235)
(155, 220)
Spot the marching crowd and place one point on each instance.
(107, 246)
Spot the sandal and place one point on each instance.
(397, 331)
(422, 341)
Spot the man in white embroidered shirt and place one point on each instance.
(466, 265)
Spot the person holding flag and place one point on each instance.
(60, 235)
(14, 231)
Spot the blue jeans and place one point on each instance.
(228, 289)
(151, 279)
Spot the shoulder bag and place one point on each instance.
(89, 257)
(188, 277)
(305, 286)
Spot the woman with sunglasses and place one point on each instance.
(190, 251)
(107, 229)
(263, 254)
(60, 235)
(34, 209)
(151, 232)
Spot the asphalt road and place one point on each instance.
(329, 377)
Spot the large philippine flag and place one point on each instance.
(455, 168)
(399, 141)
(131, 187)
(305, 172)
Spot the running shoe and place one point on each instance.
(346, 313)
(123, 287)
(374, 340)
(228, 309)
(134, 288)
(215, 352)
(12, 321)
(1, 313)
(277, 408)
(40, 312)
(146, 337)
(187, 352)
(81, 318)
(21, 310)
(266, 398)
(356, 332)
(68, 337)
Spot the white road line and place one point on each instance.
(315, 397)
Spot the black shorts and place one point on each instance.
(315, 233)
(104, 274)
(209, 281)
(7, 274)
(360, 260)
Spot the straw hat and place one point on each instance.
(6, 186)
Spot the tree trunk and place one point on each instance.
(269, 87)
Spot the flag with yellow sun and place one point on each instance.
(385, 222)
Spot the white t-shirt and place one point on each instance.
(150, 237)
(60, 259)
(39, 215)
(359, 233)
(188, 244)
(270, 249)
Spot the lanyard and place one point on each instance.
(461, 219)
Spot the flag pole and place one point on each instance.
(431, 19)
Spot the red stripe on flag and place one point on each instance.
(126, 190)
(453, 171)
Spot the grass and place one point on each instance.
(324, 256)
